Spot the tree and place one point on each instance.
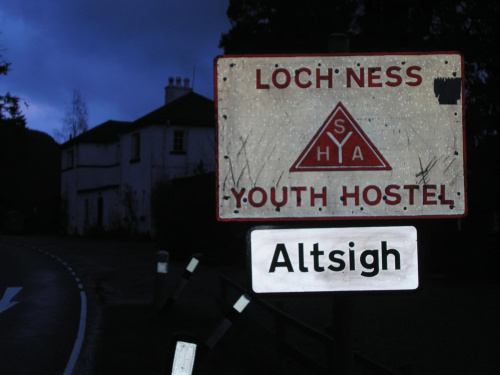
(470, 27)
(10, 112)
(30, 170)
(275, 26)
(75, 119)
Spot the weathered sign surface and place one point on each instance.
(333, 259)
(340, 136)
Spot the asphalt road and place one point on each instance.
(40, 311)
(449, 325)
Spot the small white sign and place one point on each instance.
(333, 259)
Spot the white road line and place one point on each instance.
(75, 353)
(79, 337)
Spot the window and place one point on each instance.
(86, 211)
(70, 159)
(136, 147)
(178, 146)
(100, 210)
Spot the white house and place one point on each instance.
(109, 172)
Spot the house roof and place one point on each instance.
(189, 110)
(107, 132)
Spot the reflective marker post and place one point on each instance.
(181, 284)
(185, 353)
(227, 321)
(186, 344)
(160, 294)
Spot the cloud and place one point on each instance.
(117, 53)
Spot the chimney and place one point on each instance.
(175, 90)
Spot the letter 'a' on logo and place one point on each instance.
(340, 145)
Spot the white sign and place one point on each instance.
(333, 259)
(340, 136)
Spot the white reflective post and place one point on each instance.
(160, 295)
(185, 353)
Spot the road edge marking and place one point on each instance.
(75, 353)
(80, 336)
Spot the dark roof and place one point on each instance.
(107, 132)
(189, 110)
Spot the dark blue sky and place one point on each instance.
(117, 53)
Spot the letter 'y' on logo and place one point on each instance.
(340, 145)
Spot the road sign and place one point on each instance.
(340, 136)
(333, 259)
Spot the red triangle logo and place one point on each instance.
(340, 145)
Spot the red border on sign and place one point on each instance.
(323, 218)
